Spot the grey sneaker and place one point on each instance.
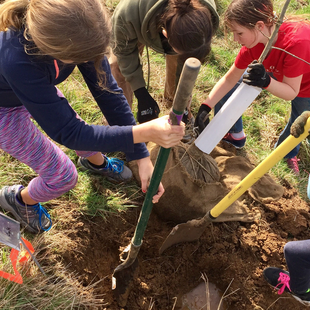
(115, 171)
(35, 218)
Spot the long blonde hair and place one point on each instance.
(76, 30)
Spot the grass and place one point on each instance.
(93, 196)
(60, 289)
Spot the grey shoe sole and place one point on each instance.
(304, 302)
(4, 205)
(236, 146)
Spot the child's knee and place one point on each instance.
(69, 176)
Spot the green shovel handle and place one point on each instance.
(182, 96)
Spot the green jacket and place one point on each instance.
(134, 21)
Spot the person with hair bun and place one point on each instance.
(41, 43)
(179, 29)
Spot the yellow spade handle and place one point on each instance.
(284, 148)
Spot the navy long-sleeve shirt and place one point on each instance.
(30, 80)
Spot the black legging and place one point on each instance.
(297, 256)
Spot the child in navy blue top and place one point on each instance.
(41, 42)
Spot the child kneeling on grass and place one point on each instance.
(41, 42)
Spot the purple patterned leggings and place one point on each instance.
(21, 138)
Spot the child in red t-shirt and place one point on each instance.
(282, 74)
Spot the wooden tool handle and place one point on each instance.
(184, 89)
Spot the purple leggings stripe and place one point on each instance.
(20, 138)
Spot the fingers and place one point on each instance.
(254, 71)
(172, 135)
(297, 130)
(173, 138)
(253, 63)
(165, 134)
(202, 121)
(250, 67)
(144, 184)
(173, 141)
(255, 68)
(247, 80)
(159, 193)
(178, 129)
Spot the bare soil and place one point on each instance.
(232, 255)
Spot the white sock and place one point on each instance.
(238, 135)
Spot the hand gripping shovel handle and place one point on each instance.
(123, 274)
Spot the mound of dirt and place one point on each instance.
(232, 255)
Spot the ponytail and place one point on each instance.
(181, 6)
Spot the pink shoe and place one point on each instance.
(293, 164)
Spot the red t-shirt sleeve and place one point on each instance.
(243, 58)
(246, 55)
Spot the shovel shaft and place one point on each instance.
(284, 148)
(123, 274)
(182, 97)
(147, 204)
(185, 86)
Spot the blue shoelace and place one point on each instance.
(40, 211)
(114, 164)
